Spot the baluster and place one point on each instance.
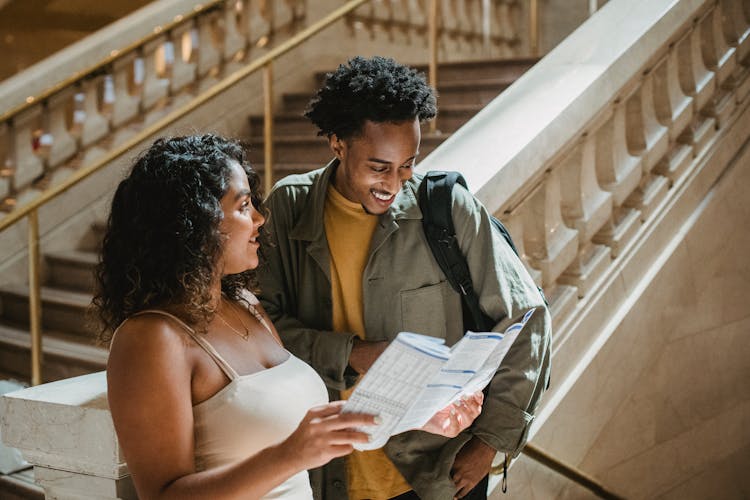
(417, 17)
(258, 16)
(155, 86)
(400, 14)
(184, 66)
(298, 11)
(675, 109)
(448, 27)
(474, 33)
(94, 126)
(618, 172)
(698, 82)
(209, 57)
(513, 222)
(650, 140)
(235, 29)
(720, 59)
(716, 52)
(126, 91)
(382, 18)
(507, 30)
(63, 144)
(550, 245)
(24, 162)
(737, 29)
(585, 208)
(283, 17)
(740, 12)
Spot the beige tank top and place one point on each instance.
(253, 412)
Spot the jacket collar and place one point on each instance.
(309, 226)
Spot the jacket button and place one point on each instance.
(338, 484)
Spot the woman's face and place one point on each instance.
(240, 224)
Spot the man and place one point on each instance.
(350, 268)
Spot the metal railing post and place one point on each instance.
(433, 54)
(35, 300)
(268, 126)
(534, 28)
(568, 471)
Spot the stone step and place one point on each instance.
(465, 91)
(64, 355)
(450, 118)
(459, 71)
(62, 310)
(72, 269)
(314, 151)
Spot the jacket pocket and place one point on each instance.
(423, 310)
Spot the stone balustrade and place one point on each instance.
(51, 136)
(593, 158)
(587, 158)
(486, 28)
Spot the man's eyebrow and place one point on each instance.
(385, 162)
(242, 193)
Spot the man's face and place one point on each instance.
(376, 163)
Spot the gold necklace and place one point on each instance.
(245, 335)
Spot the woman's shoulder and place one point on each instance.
(150, 331)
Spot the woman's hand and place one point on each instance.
(325, 433)
(454, 418)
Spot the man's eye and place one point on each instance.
(379, 170)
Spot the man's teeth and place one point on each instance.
(381, 196)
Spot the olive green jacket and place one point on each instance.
(404, 290)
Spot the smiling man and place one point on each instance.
(350, 268)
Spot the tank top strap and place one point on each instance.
(251, 301)
(199, 339)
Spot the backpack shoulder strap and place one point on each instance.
(436, 203)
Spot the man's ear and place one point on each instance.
(338, 146)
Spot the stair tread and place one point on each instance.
(54, 343)
(442, 110)
(298, 138)
(51, 294)
(504, 62)
(449, 85)
(86, 257)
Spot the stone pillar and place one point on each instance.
(65, 430)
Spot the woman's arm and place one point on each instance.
(149, 375)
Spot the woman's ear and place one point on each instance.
(337, 145)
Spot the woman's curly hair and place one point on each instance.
(376, 89)
(162, 243)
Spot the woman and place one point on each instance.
(205, 400)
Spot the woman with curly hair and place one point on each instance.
(206, 401)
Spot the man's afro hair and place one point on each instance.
(376, 89)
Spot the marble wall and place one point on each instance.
(664, 410)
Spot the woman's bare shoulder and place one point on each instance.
(147, 338)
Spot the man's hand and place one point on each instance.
(364, 353)
(472, 463)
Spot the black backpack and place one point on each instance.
(435, 202)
